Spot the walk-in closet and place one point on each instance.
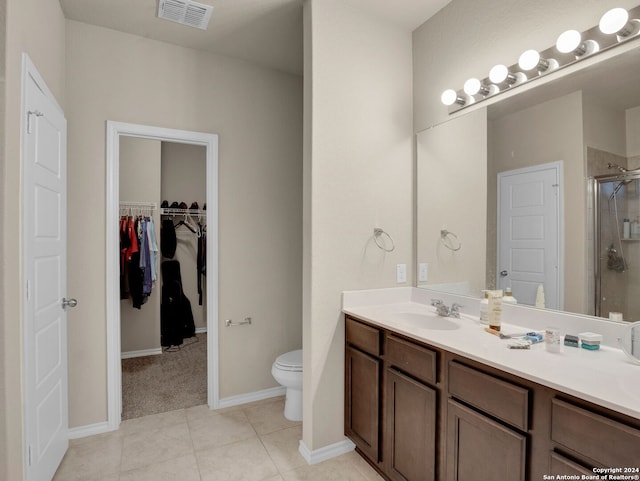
(163, 302)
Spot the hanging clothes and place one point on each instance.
(168, 241)
(138, 259)
(176, 316)
(201, 259)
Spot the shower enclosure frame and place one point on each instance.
(597, 239)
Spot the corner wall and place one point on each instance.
(358, 175)
(257, 113)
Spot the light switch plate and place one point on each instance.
(401, 273)
(423, 272)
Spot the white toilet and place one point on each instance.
(287, 370)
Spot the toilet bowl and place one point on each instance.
(287, 370)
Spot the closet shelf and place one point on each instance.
(170, 211)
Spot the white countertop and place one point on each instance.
(605, 377)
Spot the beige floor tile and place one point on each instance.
(92, 458)
(361, 465)
(268, 417)
(242, 461)
(336, 469)
(156, 445)
(153, 421)
(282, 446)
(209, 430)
(179, 469)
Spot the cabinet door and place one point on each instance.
(410, 439)
(362, 401)
(480, 449)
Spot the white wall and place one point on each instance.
(604, 126)
(140, 182)
(257, 114)
(633, 133)
(452, 175)
(358, 175)
(36, 27)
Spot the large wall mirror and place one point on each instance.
(539, 189)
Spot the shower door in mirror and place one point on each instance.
(617, 246)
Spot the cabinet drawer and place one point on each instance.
(560, 465)
(601, 439)
(363, 337)
(411, 358)
(496, 397)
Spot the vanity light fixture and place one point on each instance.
(531, 59)
(473, 86)
(617, 21)
(532, 64)
(450, 97)
(500, 74)
(571, 42)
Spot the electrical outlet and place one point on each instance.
(423, 272)
(401, 273)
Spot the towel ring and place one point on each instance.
(444, 235)
(377, 233)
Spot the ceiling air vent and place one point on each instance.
(186, 12)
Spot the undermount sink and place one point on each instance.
(426, 320)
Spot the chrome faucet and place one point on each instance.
(445, 311)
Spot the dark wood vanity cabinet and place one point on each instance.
(418, 413)
(487, 423)
(362, 388)
(390, 410)
(410, 430)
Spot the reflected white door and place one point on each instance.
(45, 244)
(529, 234)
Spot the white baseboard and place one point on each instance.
(251, 397)
(200, 330)
(328, 452)
(99, 428)
(89, 430)
(144, 352)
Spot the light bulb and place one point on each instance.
(568, 41)
(614, 20)
(449, 97)
(498, 74)
(472, 86)
(529, 60)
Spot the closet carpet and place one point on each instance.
(169, 381)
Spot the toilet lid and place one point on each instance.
(290, 361)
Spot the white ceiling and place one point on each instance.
(267, 32)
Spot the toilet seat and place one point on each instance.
(289, 361)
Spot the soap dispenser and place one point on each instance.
(508, 297)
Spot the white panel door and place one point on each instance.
(529, 233)
(45, 245)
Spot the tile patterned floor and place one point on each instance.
(253, 442)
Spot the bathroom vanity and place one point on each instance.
(450, 402)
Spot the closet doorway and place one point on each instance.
(137, 332)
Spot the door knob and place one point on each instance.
(504, 273)
(69, 302)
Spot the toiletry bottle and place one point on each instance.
(495, 309)
(626, 229)
(484, 308)
(540, 297)
(508, 297)
(635, 228)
